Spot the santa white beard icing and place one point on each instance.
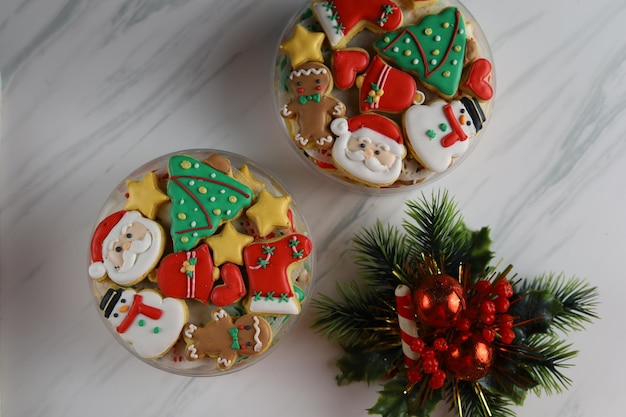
(439, 131)
(125, 247)
(368, 149)
(144, 320)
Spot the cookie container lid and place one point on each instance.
(200, 262)
(383, 96)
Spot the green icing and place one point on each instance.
(202, 197)
(433, 49)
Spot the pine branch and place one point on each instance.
(578, 300)
(436, 228)
(360, 317)
(381, 253)
(471, 400)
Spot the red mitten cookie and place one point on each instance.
(187, 274)
(386, 89)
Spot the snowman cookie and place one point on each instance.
(194, 235)
(149, 323)
(395, 60)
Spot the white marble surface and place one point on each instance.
(93, 89)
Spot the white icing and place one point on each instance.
(307, 72)
(338, 109)
(225, 362)
(285, 111)
(301, 140)
(219, 314)
(323, 141)
(193, 352)
(144, 262)
(190, 330)
(275, 306)
(143, 338)
(359, 169)
(258, 346)
(324, 18)
(421, 118)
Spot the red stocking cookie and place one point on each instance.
(269, 265)
(342, 19)
(312, 106)
(225, 338)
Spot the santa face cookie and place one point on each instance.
(126, 247)
(369, 148)
(312, 107)
(144, 320)
(440, 131)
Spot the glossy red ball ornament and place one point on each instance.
(469, 356)
(439, 301)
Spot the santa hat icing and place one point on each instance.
(378, 128)
(97, 269)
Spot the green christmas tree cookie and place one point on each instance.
(433, 49)
(202, 197)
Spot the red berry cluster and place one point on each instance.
(486, 311)
(428, 362)
(485, 314)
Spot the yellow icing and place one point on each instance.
(145, 196)
(228, 245)
(270, 212)
(304, 46)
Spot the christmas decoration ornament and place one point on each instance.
(434, 321)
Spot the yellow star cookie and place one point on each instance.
(227, 246)
(245, 176)
(145, 195)
(304, 46)
(269, 212)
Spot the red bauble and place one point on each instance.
(439, 301)
(469, 357)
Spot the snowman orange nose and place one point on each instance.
(124, 309)
(462, 119)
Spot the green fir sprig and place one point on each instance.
(434, 240)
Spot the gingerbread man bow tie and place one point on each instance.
(314, 97)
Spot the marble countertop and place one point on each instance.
(93, 89)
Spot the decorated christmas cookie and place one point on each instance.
(200, 237)
(393, 59)
(225, 338)
(145, 320)
(311, 106)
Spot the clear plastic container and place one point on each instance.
(399, 85)
(200, 262)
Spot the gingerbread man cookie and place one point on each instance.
(312, 106)
(225, 338)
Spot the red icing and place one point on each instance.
(351, 13)
(274, 278)
(478, 79)
(101, 232)
(138, 307)
(457, 131)
(347, 63)
(232, 289)
(399, 88)
(174, 282)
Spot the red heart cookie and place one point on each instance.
(233, 288)
(346, 64)
(187, 274)
(478, 80)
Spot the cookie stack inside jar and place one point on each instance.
(200, 262)
(381, 95)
